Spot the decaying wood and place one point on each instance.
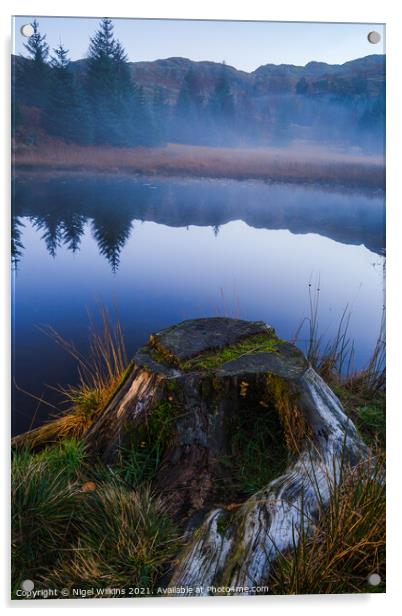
(130, 405)
(237, 551)
(236, 548)
(269, 522)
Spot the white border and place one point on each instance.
(384, 11)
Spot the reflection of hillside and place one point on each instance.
(59, 207)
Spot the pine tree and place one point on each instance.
(33, 77)
(105, 57)
(59, 113)
(36, 45)
(190, 99)
(67, 114)
(16, 118)
(120, 113)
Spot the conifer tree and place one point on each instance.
(36, 45)
(67, 114)
(106, 60)
(190, 99)
(119, 110)
(33, 77)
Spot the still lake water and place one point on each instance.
(164, 250)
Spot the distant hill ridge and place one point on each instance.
(366, 74)
(210, 103)
(266, 79)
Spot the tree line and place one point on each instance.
(99, 103)
(103, 106)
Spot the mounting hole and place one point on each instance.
(28, 585)
(27, 30)
(374, 37)
(374, 579)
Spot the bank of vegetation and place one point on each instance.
(266, 164)
(78, 523)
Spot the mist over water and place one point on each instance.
(164, 250)
(122, 195)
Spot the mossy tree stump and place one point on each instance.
(230, 393)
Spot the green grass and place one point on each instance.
(66, 458)
(366, 408)
(211, 360)
(258, 452)
(362, 393)
(77, 523)
(43, 502)
(138, 463)
(124, 539)
(371, 421)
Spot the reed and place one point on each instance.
(334, 359)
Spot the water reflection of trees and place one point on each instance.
(111, 233)
(61, 208)
(61, 214)
(17, 246)
(60, 228)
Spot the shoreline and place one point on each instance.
(200, 162)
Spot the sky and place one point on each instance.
(244, 45)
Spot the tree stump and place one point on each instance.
(226, 386)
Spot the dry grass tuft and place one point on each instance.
(75, 524)
(124, 540)
(100, 373)
(347, 543)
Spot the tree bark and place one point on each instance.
(211, 371)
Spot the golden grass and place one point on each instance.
(125, 539)
(100, 374)
(348, 539)
(296, 164)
